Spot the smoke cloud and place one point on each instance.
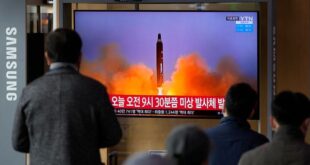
(191, 76)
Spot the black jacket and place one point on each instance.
(63, 118)
(287, 148)
(230, 139)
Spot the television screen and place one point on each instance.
(169, 63)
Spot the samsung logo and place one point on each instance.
(11, 63)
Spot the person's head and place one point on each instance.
(146, 159)
(290, 109)
(188, 145)
(63, 45)
(240, 101)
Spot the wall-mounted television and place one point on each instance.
(169, 63)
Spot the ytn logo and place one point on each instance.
(239, 18)
(246, 18)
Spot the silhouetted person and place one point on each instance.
(188, 145)
(290, 120)
(233, 136)
(63, 117)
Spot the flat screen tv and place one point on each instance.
(169, 63)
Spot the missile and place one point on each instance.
(159, 61)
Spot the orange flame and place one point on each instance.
(191, 77)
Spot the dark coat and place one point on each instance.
(287, 148)
(63, 118)
(230, 139)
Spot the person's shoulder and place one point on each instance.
(305, 148)
(214, 131)
(92, 83)
(211, 130)
(40, 81)
(90, 80)
(261, 149)
(76, 80)
(307, 152)
(258, 137)
(255, 154)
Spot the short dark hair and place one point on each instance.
(63, 45)
(240, 100)
(290, 108)
(188, 145)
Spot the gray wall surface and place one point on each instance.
(12, 73)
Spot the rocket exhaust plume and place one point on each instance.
(159, 90)
(159, 61)
(192, 75)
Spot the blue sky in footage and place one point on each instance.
(208, 34)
